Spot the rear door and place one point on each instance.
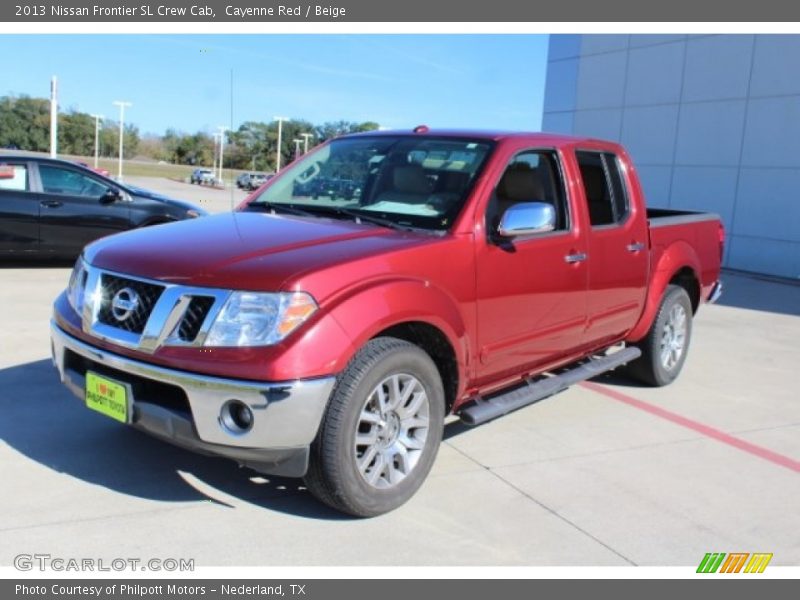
(618, 255)
(72, 211)
(19, 210)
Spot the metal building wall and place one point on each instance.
(712, 123)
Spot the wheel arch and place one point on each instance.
(414, 311)
(435, 344)
(687, 278)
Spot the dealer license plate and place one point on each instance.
(108, 396)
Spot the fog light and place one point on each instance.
(236, 416)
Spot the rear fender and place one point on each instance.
(669, 262)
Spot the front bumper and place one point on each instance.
(185, 408)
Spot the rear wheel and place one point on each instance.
(381, 430)
(665, 347)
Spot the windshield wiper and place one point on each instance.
(330, 211)
(368, 218)
(276, 207)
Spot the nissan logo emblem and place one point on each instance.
(124, 303)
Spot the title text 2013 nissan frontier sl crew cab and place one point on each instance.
(327, 335)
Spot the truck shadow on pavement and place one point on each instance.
(41, 420)
(755, 292)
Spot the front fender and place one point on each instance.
(365, 314)
(348, 322)
(668, 262)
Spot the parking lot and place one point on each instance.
(607, 473)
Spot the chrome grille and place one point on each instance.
(194, 317)
(147, 295)
(146, 314)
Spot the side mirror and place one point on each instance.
(110, 196)
(527, 218)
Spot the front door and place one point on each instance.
(73, 212)
(531, 294)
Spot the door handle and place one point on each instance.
(575, 258)
(51, 203)
(635, 247)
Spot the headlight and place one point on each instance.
(76, 286)
(256, 319)
(193, 214)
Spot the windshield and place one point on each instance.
(410, 181)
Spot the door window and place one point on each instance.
(58, 180)
(531, 176)
(13, 177)
(603, 187)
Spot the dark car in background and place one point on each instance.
(54, 208)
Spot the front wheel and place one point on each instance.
(665, 346)
(381, 430)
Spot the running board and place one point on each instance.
(480, 411)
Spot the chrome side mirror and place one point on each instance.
(527, 218)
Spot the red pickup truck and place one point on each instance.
(326, 335)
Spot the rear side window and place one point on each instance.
(13, 177)
(604, 189)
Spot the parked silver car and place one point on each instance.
(203, 177)
(256, 180)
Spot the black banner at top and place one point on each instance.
(464, 11)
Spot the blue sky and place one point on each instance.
(184, 81)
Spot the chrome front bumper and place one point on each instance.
(286, 414)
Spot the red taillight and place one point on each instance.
(721, 241)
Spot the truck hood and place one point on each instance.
(241, 250)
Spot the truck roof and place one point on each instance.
(538, 137)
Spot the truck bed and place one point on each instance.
(660, 217)
(698, 233)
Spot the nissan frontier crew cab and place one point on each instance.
(328, 336)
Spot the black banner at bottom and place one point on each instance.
(733, 588)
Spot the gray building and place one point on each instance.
(711, 122)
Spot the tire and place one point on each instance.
(380, 432)
(666, 345)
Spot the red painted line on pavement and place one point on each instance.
(707, 431)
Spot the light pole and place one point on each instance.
(53, 117)
(305, 136)
(222, 130)
(297, 147)
(280, 121)
(122, 106)
(216, 137)
(96, 136)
